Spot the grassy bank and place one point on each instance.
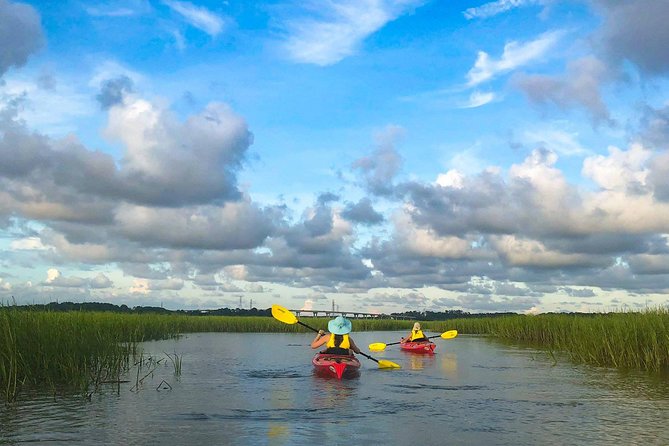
(623, 340)
(81, 350)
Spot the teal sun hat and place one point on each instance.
(339, 326)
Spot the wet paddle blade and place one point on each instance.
(450, 334)
(377, 347)
(385, 364)
(283, 314)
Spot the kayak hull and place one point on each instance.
(337, 366)
(419, 347)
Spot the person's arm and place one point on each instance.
(320, 339)
(353, 346)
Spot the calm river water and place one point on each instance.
(259, 389)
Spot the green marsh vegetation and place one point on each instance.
(81, 351)
(623, 340)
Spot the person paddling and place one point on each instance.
(416, 335)
(338, 342)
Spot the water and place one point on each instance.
(259, 389)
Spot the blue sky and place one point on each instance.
(389, 155)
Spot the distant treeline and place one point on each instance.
(107, 307)
(446, 315)
(101, 306)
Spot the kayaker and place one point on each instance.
(338, 342)
(416, 335)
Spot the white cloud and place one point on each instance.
(167, 284)
(52, 274)
(5, 286)
(341, 28)
(27, 244)
(198, 16)
(478, 99)
(236, 272)
(497, 7)
(452, 178)
(515, 55)
(425, 242)
(533, 253)
(118, 8)
(559, 141)
(254, 288)
(619, 169)
(139, 286)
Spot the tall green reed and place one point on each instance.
(624, 340)
(83, 350)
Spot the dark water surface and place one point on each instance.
(259, 389)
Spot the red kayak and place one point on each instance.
(341, 366)
(418, 347)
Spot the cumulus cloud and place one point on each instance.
(579, 292)
(333, 30)
(169, 162)
(479, 303)
(20, 34)
(56, 279)
(27, 243)
(100, 281)
(237, 225)
(525, 225)
(636, 31)
(173, 284)
(113, 91)
(655, 127)
(379, 169)
(362, 212)
(581, 87)
(515, 55)
(658, 176)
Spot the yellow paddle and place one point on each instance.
(380, 346)
(284, 315)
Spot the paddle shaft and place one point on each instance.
(313, 329)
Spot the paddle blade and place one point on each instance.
(283, 314)
(450, 334)
(377, 347)
(385, 364)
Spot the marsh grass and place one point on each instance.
(80, 351)
(623, 340)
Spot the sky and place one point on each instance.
(374, 155)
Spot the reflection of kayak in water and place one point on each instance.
(418, 347)
(341, 366)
